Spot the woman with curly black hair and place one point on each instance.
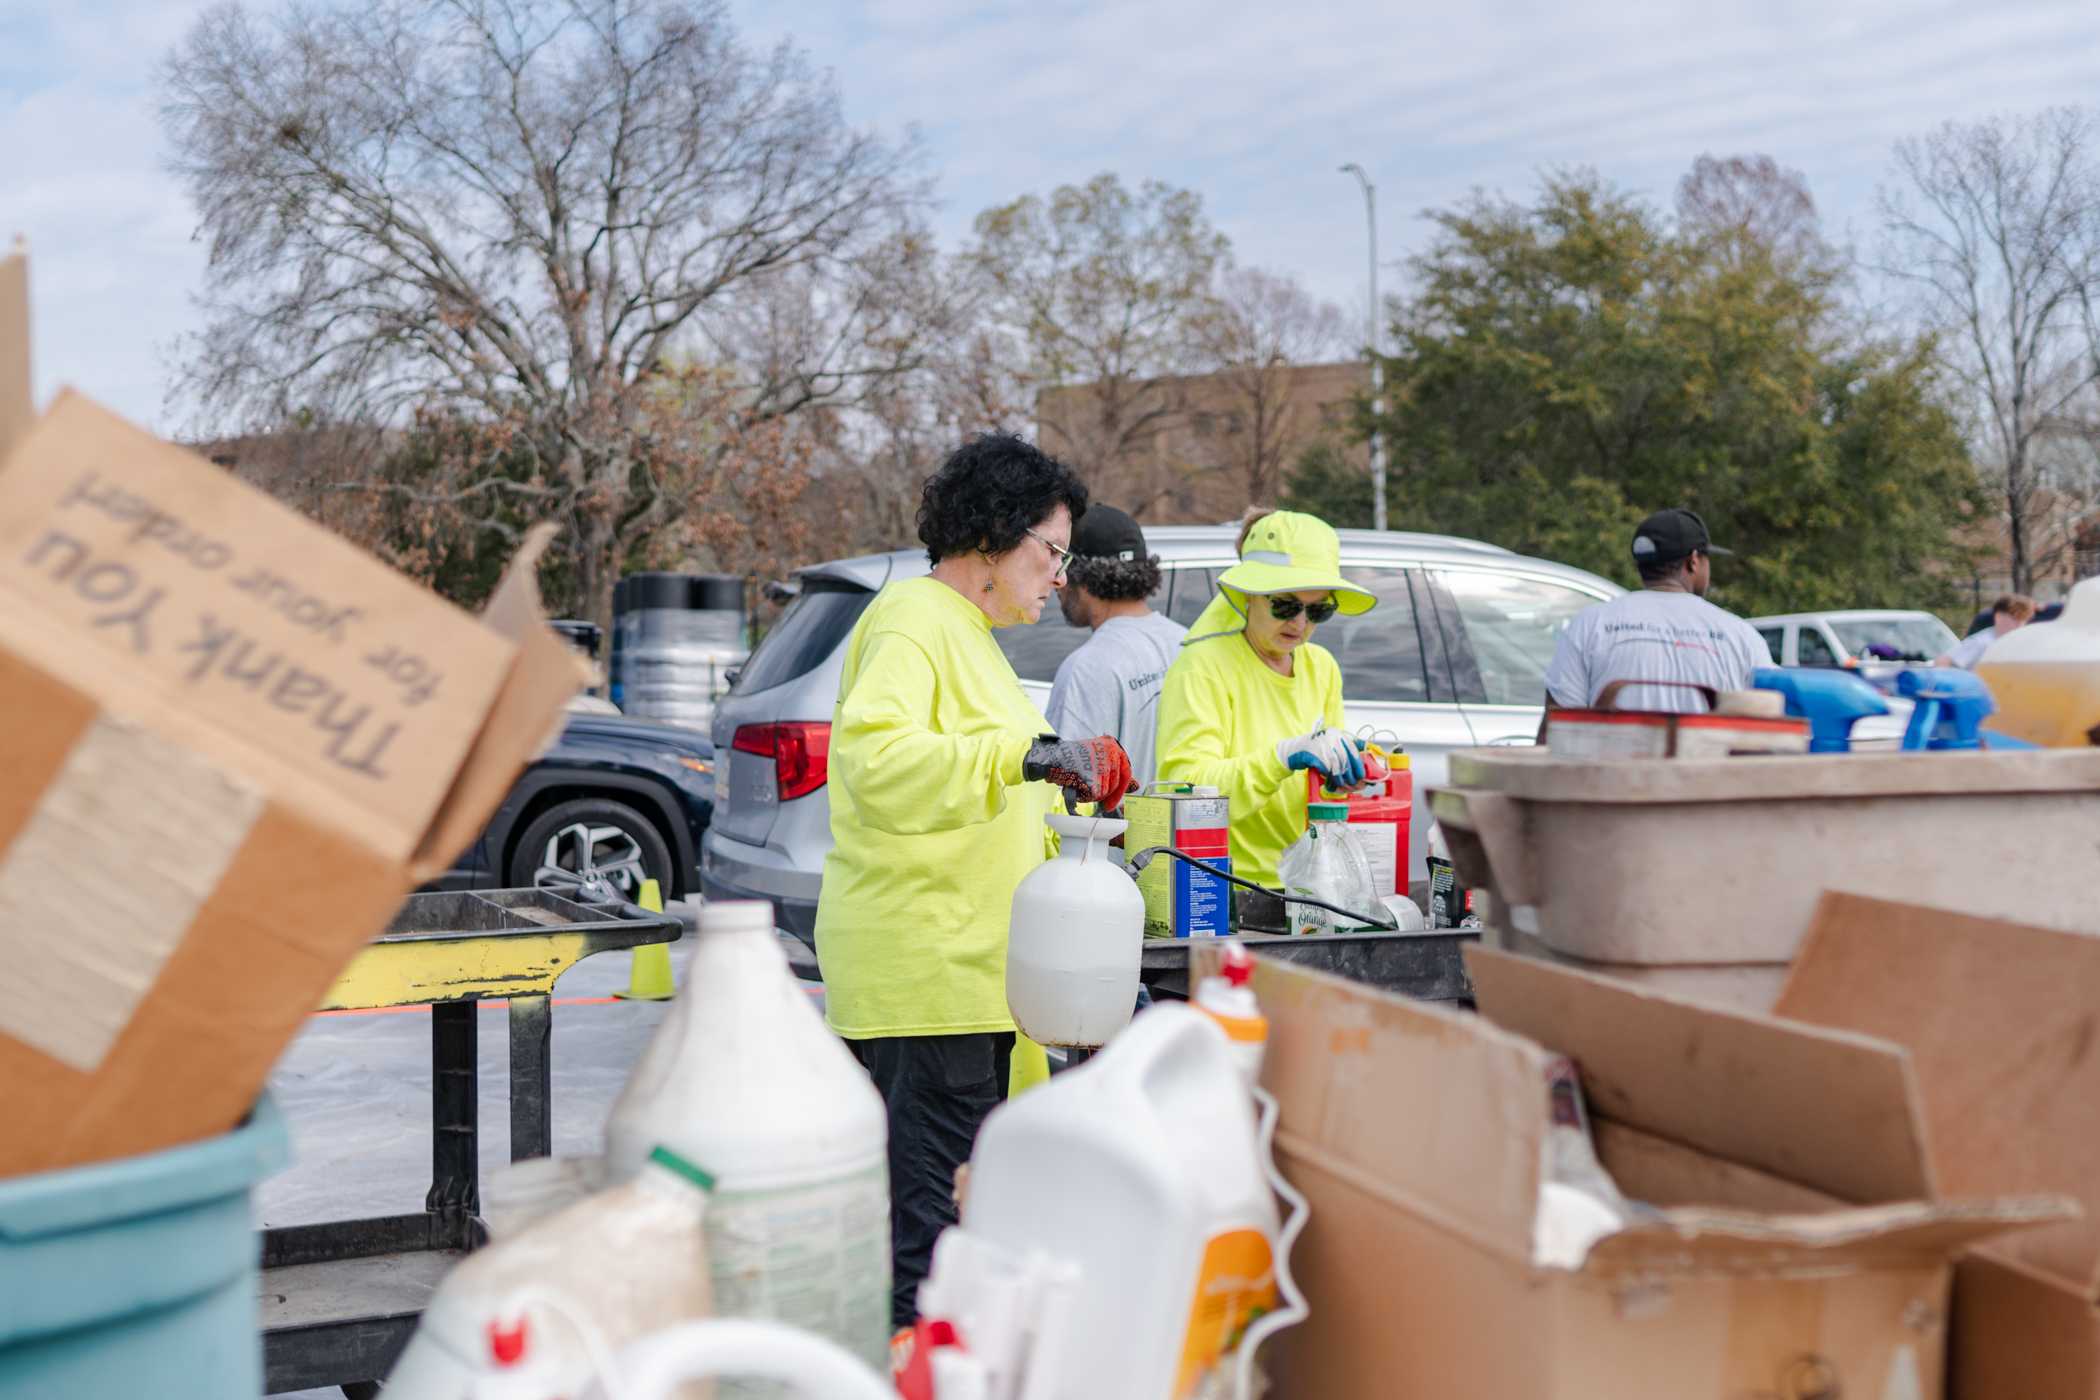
(941, 775)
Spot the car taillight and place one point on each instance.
(800, 750)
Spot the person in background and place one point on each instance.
(1250, 709)
(2009, 613)
(941, 776)
(1666, 631)
(1111, 684)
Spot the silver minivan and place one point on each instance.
(1454, 656)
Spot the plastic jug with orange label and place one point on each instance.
(1140, 1172)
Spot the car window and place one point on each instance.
(1775, 642)
(1811, 649)
(813, 626)
(1510, 624)
(1037, 649)
(1898, 638)
(1380, 651)
(1193, 588)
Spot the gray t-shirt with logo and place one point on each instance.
(1653, 636)
(1111, 685)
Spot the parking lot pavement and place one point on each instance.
(355, 1089)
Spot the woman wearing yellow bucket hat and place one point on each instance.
(1252, 702)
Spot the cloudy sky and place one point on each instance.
(1252, 105)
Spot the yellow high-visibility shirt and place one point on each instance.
(1221, 716)
(932, 824)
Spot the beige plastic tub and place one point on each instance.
(1700, 876)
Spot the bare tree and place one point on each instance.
(1996, 229)
(560, 216)
(1261, 330)
(1751, 206)
(1094, 298)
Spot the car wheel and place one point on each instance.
(591, 847)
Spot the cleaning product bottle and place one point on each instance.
(1142, 1169)
(538, 1315)
(1326, 864)
(1449, 905)
(2045, 677)
(1227, 997)
(745, 1080)
(1075, 939)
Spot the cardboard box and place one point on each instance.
(234, 742)
(1798, 1253)
(2000, 1021)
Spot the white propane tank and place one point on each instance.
(1072, 949)
(1143, 1169)
(744, 1080)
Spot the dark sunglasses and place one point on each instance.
(1284, 609)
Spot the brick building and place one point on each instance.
(1198, 449)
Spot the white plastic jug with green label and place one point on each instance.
(744, 1080)
(1327, 864)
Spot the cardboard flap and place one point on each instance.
(168, 589)
(1830, 1110)
(17, 403)
(2018, 1332)
(1740, 1242)
(2003, 1024)
(527, 713)
(1462, 1107)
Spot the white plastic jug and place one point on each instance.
(539, 1315)
(744, 1079)
(2045, 677)
(1076, 938)
(1327, 864)
(1142, 1168)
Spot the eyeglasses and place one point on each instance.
(1064, 556)
(1283, 609)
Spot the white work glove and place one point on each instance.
(1331, 753)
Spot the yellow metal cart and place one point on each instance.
(340, 1298)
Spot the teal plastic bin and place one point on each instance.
(137, 1277)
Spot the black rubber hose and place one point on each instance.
(1143, 858)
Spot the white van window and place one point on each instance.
(1510, 625)
(1811, 649)
(1380, 651)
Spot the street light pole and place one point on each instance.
(1377, 368)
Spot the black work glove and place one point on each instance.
(1090, 770)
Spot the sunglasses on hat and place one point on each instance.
(1283, 609)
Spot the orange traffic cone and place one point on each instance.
(649, 968)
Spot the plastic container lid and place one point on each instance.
(734, 916)
(1327, 811)
(1203, 790)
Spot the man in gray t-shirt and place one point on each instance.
(1665, 632)
(1111, 684)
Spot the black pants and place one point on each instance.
(938, 1088)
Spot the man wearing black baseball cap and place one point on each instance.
(1666, 634)
(1111, 684)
